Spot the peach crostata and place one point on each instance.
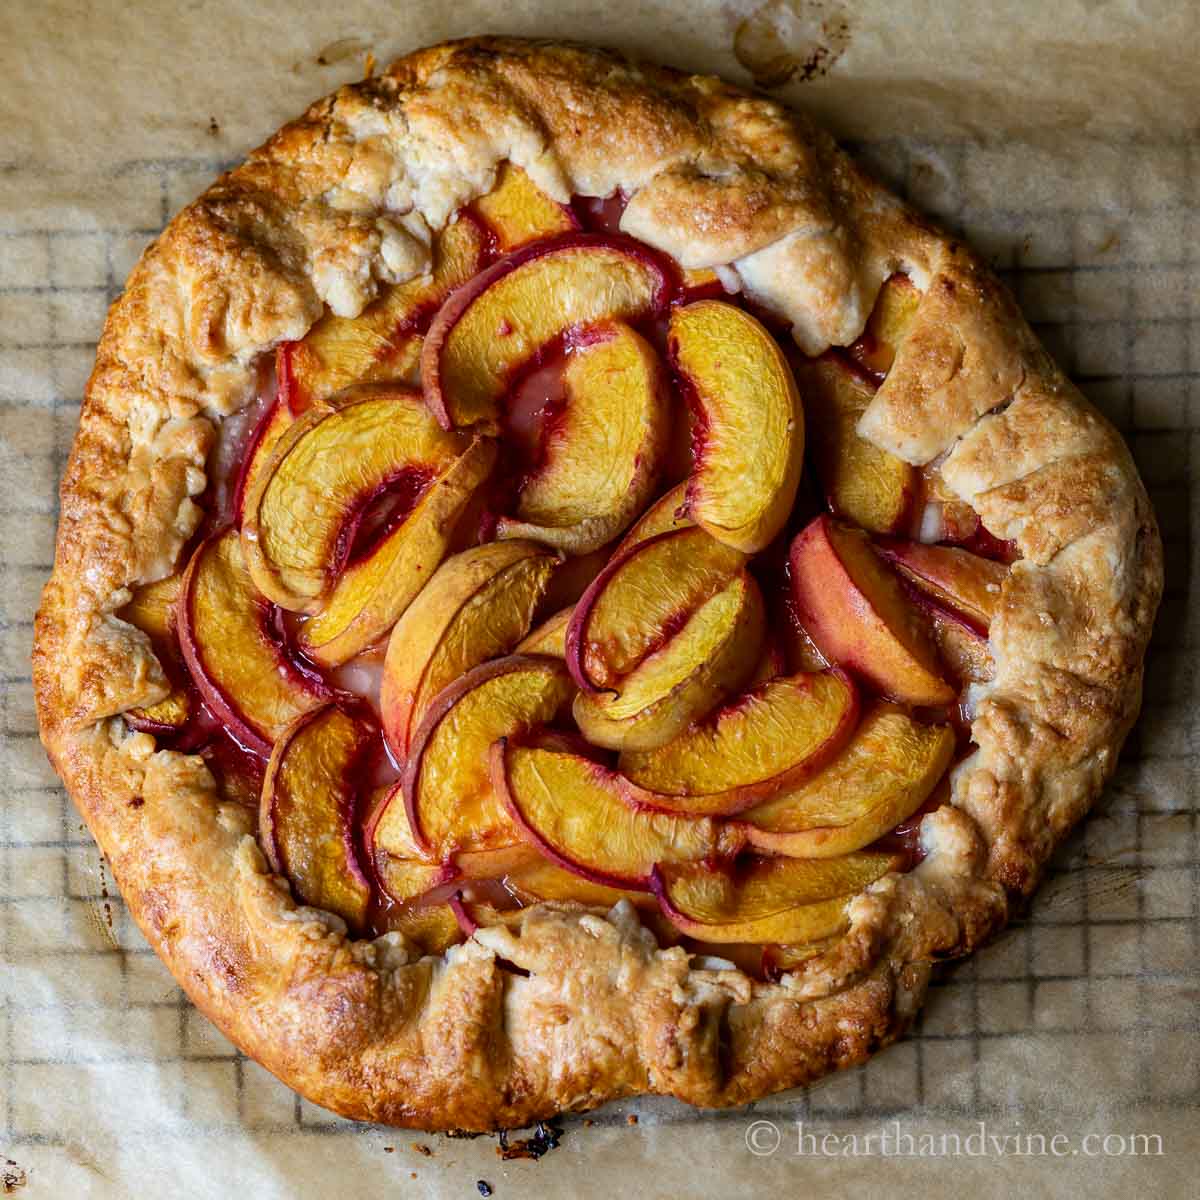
(567, 589)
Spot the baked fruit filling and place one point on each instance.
(559, 575)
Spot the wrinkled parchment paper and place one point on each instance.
(1060, 138)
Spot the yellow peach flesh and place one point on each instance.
(865, 485)
(477, 606)
(517, 211)
(714, 653)
(571, 807)
(326, 464)
(751, 432)
(307, 812)
(665, 514)
(223, 632)
(661, 582)
(152, 610)
(761, 742)
(384, 340)
(603, 454)
(519, 313)
(451, 801)
(550, 637)
(885, 773)
(372, 594)
(771, 900)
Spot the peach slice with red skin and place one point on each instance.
(853, 606)
(235, 658)
(450, 801)
(765, 900)
(757, 745)
(513, 312)
(516, 211)
(667, 513)
(955, 578)
(477, 606)
(863, 483)
(641, 599)
(432, 928)
(965, 651)
(542, 880)
(571, 808)
(374, 591)
(300, 519)
(152, 610)
(748, 437)
(883, 775)
(260, 453)
(402, 871)
(714, 653)
(307, 820)
(384, 341)
(602, 453)
(887, 326)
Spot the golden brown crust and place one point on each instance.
(345, 199)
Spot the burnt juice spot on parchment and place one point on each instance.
(786, 40)
(13, 1176)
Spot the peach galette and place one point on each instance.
(567, 589)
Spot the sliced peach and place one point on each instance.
(260, 454)
(384, 341)
(307, 818)
(749, 433)
(667, 513)
(767, 900)
(450, 801)
(885, 773)
(510, 313)
(956, 578)
(432, 928)
(713, 654)
(403, 872)
(497, 862)
(477, 606)
(152, 610)
(373, 592)
(602, 455)
(550, 637)
(854, 607)
(328, 467)
(963, 649)
(571, 808)
(758, 744)
(641, 598)
(233, 652)
(863, 484)
(779, 960)
(543, 880)
(887, 326)
(516, 211)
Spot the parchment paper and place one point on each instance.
(1060, 138)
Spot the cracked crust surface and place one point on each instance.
(345, 200)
